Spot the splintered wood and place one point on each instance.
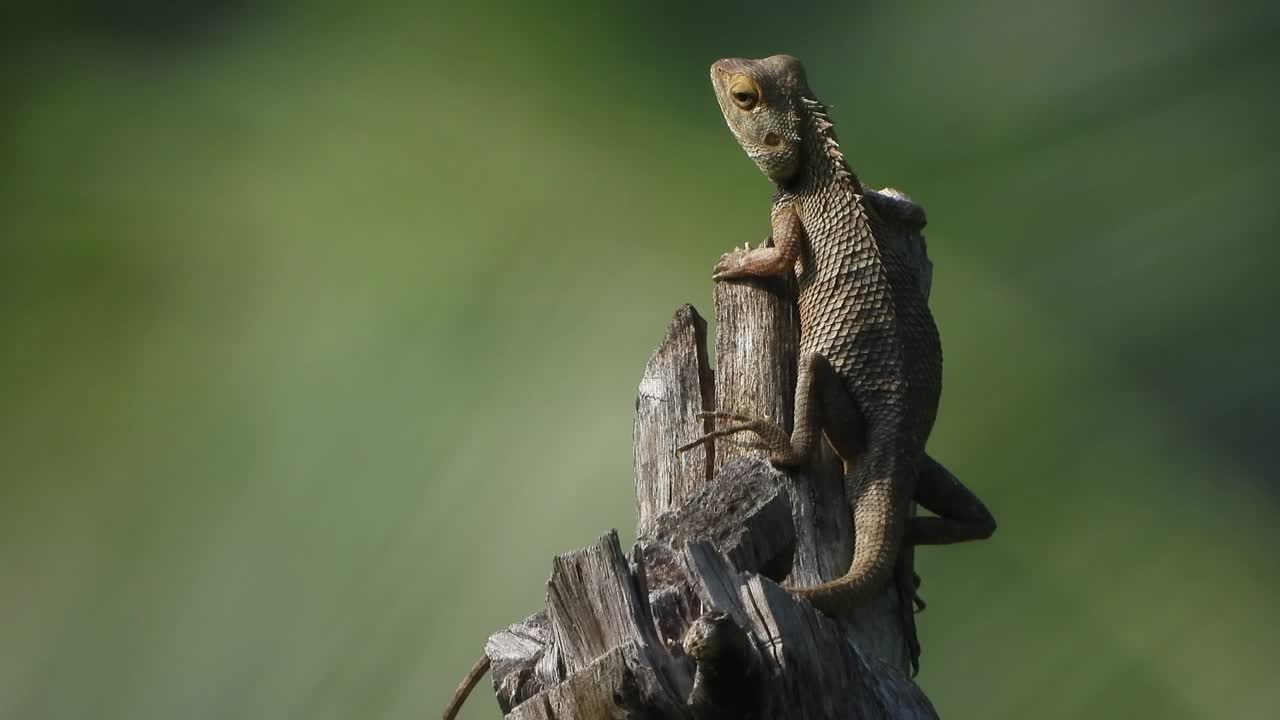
(718, 529)
(676, 386)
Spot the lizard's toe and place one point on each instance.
(729, 265)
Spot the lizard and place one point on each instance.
(869, 371)
(856, 374)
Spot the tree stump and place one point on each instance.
(694, 621)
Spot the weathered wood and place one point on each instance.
(515, 653)
(814, 662)
(619, 685)
(716, 527)
(676, 385)
(595, 603)
(811, 660)
(745, 512)
(756, 338)
(814, 670)
(602, 632)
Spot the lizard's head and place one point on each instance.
(761, 103)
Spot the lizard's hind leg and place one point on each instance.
(819, 396)
(960, 514)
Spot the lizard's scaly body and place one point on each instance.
(870, 366)
(862, 310)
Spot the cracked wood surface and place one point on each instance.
(717, 528)
(675, 386)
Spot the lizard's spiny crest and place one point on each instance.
(831, 144)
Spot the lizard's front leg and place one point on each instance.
(788, 240)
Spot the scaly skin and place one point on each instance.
(870, 365)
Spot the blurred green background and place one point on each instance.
(320, 327)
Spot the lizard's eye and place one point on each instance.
(744, 92)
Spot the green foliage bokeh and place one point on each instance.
(321, 327)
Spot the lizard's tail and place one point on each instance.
(876, 492)
(468, 683)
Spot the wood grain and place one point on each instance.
(718, 529)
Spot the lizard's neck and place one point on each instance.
(824, 164)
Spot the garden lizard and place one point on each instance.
(870, 360)
(870, 363)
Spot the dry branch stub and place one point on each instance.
(757, 332)
(675, 387)
(718, 530)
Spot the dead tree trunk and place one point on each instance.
(718, 529)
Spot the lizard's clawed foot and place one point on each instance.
(732, 264)
(773, 438)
